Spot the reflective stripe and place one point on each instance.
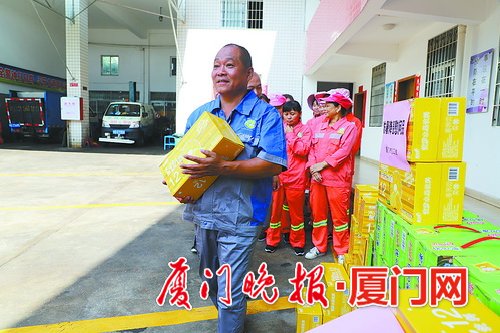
(297, 227)
(285, 207)
(320, 224)
(342, 227)
(275, 225)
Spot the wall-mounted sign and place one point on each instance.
(389, 92)
(479, 81)
(22, 77)
(71, 108)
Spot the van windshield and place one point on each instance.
(125, 110)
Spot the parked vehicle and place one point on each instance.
(127, 122)
(36, 114)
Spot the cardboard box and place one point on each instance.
(308, 317)
(389, 186)
(441, 250)
(361, 190)
(436, 129)
(423, 129)
(338, 305)
(432, 193)
(451, 129)
(445, 318)
(484, 278)
(208, 132)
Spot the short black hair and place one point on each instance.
(292, 105)
(288, 96)
(245, 57)
(343, 111)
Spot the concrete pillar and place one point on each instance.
(77, 73)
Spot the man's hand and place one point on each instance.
(211, 165)
(276, 183)
(184, 200)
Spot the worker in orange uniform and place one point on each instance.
(293, 182)
(330, 166)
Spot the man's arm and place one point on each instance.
(214, 165)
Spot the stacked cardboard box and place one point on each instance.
(362, 224)
(308, 316)
(337, 299)
(432, 191)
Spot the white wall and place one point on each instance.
(481, 139)
(145, 61)
(26, 44)
(277, 51)
(481, 151)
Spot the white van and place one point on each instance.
(127, 122)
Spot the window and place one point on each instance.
(109, 65)
(496, 101)
(441, 64)
(242, 14)
(377, 95)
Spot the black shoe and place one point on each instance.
(299, 251)
(193, 248)
(262, 236)
(270, 248)
(286, 238)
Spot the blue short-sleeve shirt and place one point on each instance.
(238, 205)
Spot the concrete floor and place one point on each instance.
(88, 234)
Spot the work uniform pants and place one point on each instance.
(336, 199)
(292, 213)
(216, 248)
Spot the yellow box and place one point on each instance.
(209, 132)
(474, 317)
(338, 305)
(451, 129)
(423, 129)
(308, 316)
(361, 190)
(432, 193)
(451, 199)
(389, 183)
(436, 129)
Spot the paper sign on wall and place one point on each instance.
(394, 126)
(71, 108)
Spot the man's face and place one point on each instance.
(255, 84)
(229, 75)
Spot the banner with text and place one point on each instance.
(394, 126)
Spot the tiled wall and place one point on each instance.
(77, 63)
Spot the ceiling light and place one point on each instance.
(389, 26)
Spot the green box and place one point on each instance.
(484, 278)
(389, 235)
(380, 229)
(369, 250)
(441, 250)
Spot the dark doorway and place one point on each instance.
(325, 86)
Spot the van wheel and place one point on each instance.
(140, 140)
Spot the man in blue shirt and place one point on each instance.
(230, 213)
